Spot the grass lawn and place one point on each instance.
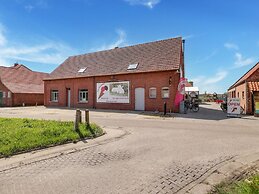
(248, 186)
(19, 135)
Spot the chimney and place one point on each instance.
(15, 64)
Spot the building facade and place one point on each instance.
(20, 86)
(139, 77)
(247, 90)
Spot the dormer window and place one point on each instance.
(82, 70)
(132, 66)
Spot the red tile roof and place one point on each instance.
(154, 56)
(253, 86)
(246, 76)
(20, 79)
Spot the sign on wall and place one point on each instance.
(233, 106)
(113, 92)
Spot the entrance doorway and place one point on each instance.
(68, 97)
(139, 99)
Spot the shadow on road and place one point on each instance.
(205, 113)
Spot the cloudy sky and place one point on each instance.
(222, 37)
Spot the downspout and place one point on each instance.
(246, 97)
(94, 93)
(182, 70)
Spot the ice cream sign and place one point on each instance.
(233, 106)
(113, 92)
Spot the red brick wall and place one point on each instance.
(254, 76)
(28, 99)
(19, 99)
(144, 80)
(6, 101)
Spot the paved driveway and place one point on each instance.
(157, 155)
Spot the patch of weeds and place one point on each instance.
(247, 186)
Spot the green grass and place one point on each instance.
(20, 135)
(248, 186)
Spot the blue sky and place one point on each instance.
(222, 36)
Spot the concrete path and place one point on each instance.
(141, 153)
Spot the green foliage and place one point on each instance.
(248, 186)
(19, 135)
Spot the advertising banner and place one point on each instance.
(180, 94)
(113, 92)
(233, 106)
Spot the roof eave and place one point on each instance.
(100, 75)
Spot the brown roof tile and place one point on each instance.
(154, 56)
(20, 79)
(253, 86)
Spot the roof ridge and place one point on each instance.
(124, 47)
(21, 65)
(243, 76)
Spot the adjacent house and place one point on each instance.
(138, 77)
(20, 86)
(247, 90)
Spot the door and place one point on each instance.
(68, 97)
(139, 99)
(1, 98)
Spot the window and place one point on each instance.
(132, 66)
(4, 94)
(238, 94)
(83, 95)
(243, 95)
(165, 92)
(54, 95)
(152, 92)
(9, 94)
(82, 70)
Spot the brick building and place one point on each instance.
(21, 86)
(247, 90)
(139, 77)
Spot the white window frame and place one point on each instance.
(4, 94)
(54, 96)
(150, 92)
(163, 92)
(8, 94)
(83, 95)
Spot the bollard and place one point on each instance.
(77, 118)
(87, 117)
(164, 108)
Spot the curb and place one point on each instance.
(111, 135)
(222, 172)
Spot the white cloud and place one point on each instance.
(205, 58)
(210, 84)
(49, 52)
(240, 61)
(148, 3)
(231, 46)
(121, 41)
(2, 37)
(188, 37)
(217, 78)
(29, 7)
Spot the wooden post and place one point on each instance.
(76, 124)
(87, 117)
(79, 116)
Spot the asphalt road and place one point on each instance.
(157, 154)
